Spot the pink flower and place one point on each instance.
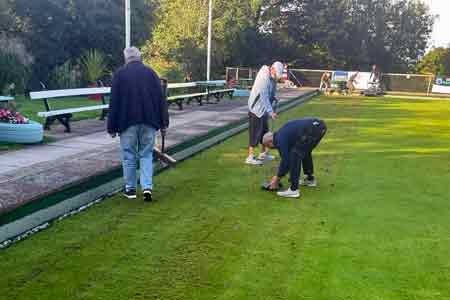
(13, 117)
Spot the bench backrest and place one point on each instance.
(172, 86)
(69, 93)
(3, 98)
(41, 95)
(212, 83)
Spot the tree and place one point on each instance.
(180, 37)
(436, 62)
(58, 30)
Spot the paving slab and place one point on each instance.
(35, 171)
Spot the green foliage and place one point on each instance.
(66, 76)
(58, 30)
(7, 20)
(94, 65)
(393, 34)
(180, 37)
(436, 62)
(317, 34)
(173, 33)
(179, 40)
(13, 73)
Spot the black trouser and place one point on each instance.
(258, 127)
(301, 153)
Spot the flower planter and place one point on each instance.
(29, 133)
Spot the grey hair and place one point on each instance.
(132, 54)
(267, 138)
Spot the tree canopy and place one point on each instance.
(436, 62)
(346, 34)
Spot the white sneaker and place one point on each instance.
(308, 183)
(266, 157)
(289, 193)
(251, 160)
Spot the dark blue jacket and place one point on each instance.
(136, 98)
(286, 138)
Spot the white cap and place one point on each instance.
(279, 68)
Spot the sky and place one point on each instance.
(441, 30)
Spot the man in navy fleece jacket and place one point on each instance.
(295, 142)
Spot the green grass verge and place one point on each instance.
(30, 108)
(377, 228)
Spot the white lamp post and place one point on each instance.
(127, 24)
(208, 71)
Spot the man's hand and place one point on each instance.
(274, 115)
(163, 131)
(274, 182)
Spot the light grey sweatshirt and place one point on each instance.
(262, 93)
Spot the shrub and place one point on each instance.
(13, 73)
(66, 76)
(94, 65)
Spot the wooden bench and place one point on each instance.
(217, 89)
(6, 99)
(188, 98)
(207, 89)
(64, 115)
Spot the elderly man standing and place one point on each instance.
(260, 108)
(138, 109)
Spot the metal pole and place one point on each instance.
(127, 24)
(430, 79)
(208, 71)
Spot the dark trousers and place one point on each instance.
(301, 154)
(258, 127)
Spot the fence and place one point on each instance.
(413, 83)
(240, 77)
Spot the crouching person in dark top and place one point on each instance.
(295, 142)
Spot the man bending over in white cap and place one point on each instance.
(260, 108)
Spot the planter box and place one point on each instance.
(30, 133)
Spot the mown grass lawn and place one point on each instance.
(377, 228)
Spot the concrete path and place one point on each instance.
(36, 171)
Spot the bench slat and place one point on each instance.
(181, 85)
(221, 91)
(3, 98)
(69, 93)
(107, 90)
(171, 98)
(71, 110)
(212, 82)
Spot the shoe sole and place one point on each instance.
(148, 197)
(266, 159)
(253, 164)
(301, 183)
(130, 197)
(290, 196)
(309, 185)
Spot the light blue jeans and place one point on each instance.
(136, 143)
